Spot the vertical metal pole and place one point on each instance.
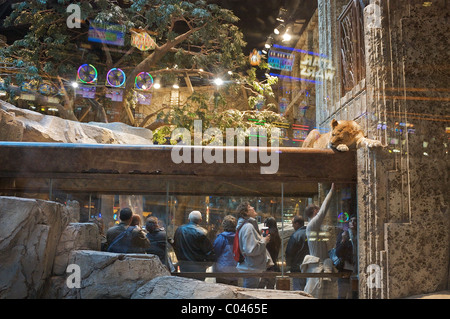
(50, 195)
(90, 199)
(282, 229)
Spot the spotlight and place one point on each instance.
(176, 85)
(218, 81)
(282, 14)
(279, 29)
(74, 85)
(268, 42)
(287, 35)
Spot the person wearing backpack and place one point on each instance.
(251, 245)
(223, 248)
(124, 238)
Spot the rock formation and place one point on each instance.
(45, 254)
(23, 125)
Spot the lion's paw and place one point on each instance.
(342, 148)
(374, 143)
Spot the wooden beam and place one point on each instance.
(188, 83)
(147, 168)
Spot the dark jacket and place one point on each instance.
(139, 242)
(192, 244)
(273, 247)
(344, 250)
(158, 243)
(296, 249)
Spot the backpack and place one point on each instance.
(122, 243)
(236, 249)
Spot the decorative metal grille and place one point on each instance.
(351, 40)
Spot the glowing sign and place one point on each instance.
(86, 91)
(255, 57)
(116, 77)
(87, 73)
(281, 60)
(299, 132)
(142, 40)
(343, 217)
(116, 95)
(316, 67)
(113, 34)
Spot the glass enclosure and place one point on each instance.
(101, 195)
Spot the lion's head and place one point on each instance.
(344, 132)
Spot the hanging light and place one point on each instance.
(268, 42)
(279, 29)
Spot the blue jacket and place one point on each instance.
(223, 248)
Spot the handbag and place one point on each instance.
(269, 261)
(337, 262)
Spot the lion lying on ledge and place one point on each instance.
(344, 135)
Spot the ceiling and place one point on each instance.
(259, 18)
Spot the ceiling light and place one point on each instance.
(218, 81)
(287, 35)
(279, 29)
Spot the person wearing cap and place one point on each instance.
(192, 247)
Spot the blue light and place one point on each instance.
(294, 78)
(300, 50)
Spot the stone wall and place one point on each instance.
(29, 233)
(403, 191)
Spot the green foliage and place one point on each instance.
(56, 50)
(210, 110)
(209, 40)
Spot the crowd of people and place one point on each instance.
(242, 247)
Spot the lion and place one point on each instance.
(344, 135)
